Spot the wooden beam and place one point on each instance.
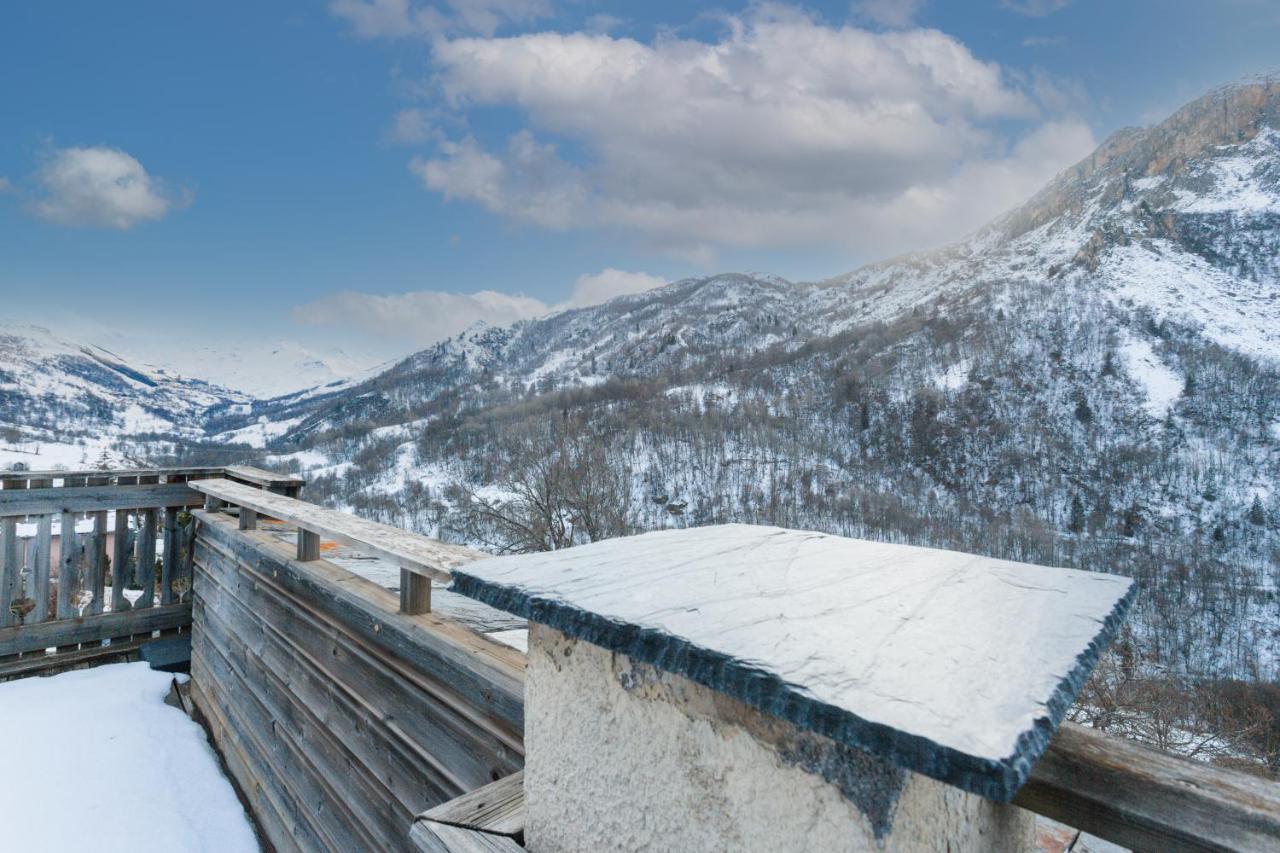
(86, 629)
(55, 474)
(421, 554)
(1144, 799)
(80, 499)
(308, 546)
(496, 808)
(96, 552)
(442, 838)
(415, 593)
(286, 484)
(11, 557)
(39, 663)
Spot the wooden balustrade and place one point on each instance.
(62, 587)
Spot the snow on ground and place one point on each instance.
(146, 777)
(1162, 384)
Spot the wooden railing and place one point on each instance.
(62, 587)
(420, 559)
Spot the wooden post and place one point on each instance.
(68, 565)
(415, 593)
(171, 554)
(212, 504)
(248, 519)
(38, 573)
(308, 545)
(97, 552)
(10, 562)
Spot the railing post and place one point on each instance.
(308, 546)
(248, 519)
(415, 593)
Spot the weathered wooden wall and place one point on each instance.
(338, 717)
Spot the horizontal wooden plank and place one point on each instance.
(38, 663)
(487, 674)
(50, 474)
(345, 718)
(88, 629)
(1144, 799)
(452, 752)
(408, 550)
(441, 838)
(262, 478)
(47, 501)
(496, 808)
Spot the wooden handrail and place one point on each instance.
(269, 480)
(415, 555)
(1145, 799)
(53, 474)
(78, 499)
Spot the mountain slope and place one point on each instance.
(1090, 380)
(64, 404)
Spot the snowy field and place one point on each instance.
(100, 763)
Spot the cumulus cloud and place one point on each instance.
(610, 283)
(426, 316)
(102, 187)
(1035, 8)
(410, 126)
(889, 13)
(784, 132)
(403, 18)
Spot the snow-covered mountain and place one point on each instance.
(1093, 379)
(69, 405)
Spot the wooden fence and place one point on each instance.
(73, 543)
(339, 715)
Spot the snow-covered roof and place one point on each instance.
(953, 665)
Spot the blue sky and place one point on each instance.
(353, 174)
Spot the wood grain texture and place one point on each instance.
(339, 718)
(268, 480)
(1148, 800)
(408, 550)
(79, 499)
(86, 629)
(48, 664)
(441, 838)
(11, 559)
(496, 808)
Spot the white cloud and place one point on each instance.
(403, 18)
(421, 317)
(426, 316)
(889, 13)
(1035, 8)
(785, 132)
(609, 283)
(410, 126)
(102, 187)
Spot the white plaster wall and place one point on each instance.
(621, 756)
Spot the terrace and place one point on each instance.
(368, 689)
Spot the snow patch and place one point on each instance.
(1162, 384)
(109, 731)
